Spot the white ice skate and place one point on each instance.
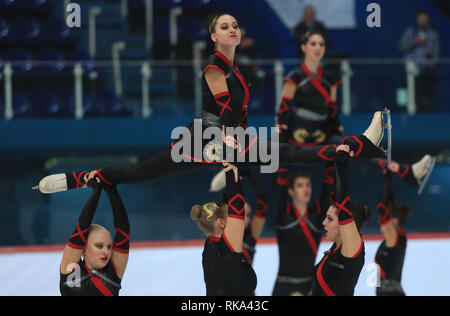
(375, 132)
(52, 184)
(422, 171)
(219, 182)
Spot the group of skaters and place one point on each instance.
(310, 132)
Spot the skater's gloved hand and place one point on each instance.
(228, 166)
(95, 183)
(394, 167)
(343, 154)
(280, 124)
(230, 141)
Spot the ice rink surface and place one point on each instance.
(177, 271)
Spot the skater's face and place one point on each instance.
(314, 49)
(331, 225)
(301, 190)
(226, 32)
(98, 249)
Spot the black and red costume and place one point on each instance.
(84, 281)
(336, 275)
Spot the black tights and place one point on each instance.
(162, 165)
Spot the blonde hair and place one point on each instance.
(207, 215)
(95, 228)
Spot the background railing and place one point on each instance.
(171, 88)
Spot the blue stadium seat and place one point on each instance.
(89, 107)
(6, 3)
(114, 105)
(4, 29)
(55, 29)
(21, 105)
(30, 4)
(21, 60)
(25, 29)
(55, 57)
(46, 104)
(194, 28)
(81, 56)
(194, 4)
(161, 30)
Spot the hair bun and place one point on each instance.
(196, 212)
(367, 213)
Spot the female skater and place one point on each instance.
(227, 272)
(313, 91)
(390, 256)
(100, 271)
(253, 225)
(339, 270)
(225, 99)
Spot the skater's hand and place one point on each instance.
(343, 155)
(394, 167)
(230, 141)
(94, 183)
(345, 148)
(279, 127)
(87, 177)
(228, 166)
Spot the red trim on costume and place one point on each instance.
(329, 179)
(360, 250)
(225, 105)
(103, 179)
(337, 83)
(308, 236)
(383, 219)
(282, 182)
(212, 239)
(361, 145)
(404, 173)
(284, 105)
(382, 272)
(227, 242)
(321, 280)
(288, 208)
(332, 105)
(320, 153)
(78, 178)
(71, 245)
(98, 283)
(318, 206)
(290, 80)
(222, 94)
(215, 67)
(225, 59)
(341, 207)
(317, 83)
(247, 92)
(246, 254)
(238, 212)
(382, 162)
(261, 212)
(80, 233)
(244, 116)
(249, 146)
